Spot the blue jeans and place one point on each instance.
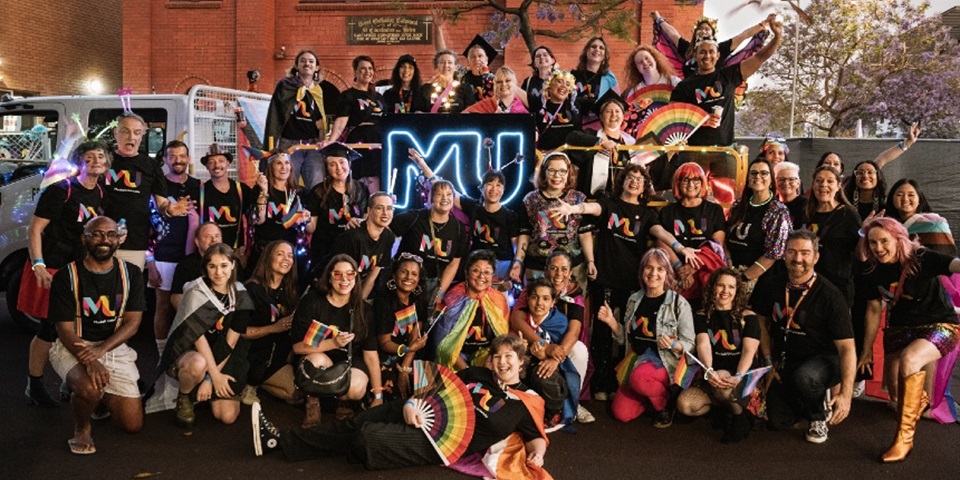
(308, 163)
(802, 390)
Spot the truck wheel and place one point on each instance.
(22, 320)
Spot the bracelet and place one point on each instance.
(706, 374)
(658, 21)
(674, 344)
(38, 261)
(675, 244)
(38, 264)
(739, 375)
(207, 378)
(148, 259)
(402, 350)
(768, 359)
(517, 260)
(757, 263)
(677, 264)
(410, 402)
(402, 369)
(378, 396)
(902, 146)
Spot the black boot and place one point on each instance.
(739, 428)
(664, 418)
(37, 394)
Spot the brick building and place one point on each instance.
(171, 45)
(57, 48)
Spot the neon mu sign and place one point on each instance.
(459, 148)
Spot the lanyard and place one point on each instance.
(789, 312)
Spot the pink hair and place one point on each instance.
(906, 247)
(660, 256)
(689, 169)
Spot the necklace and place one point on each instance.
(761, 203)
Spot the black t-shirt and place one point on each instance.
(216, 335)
(396, 319)
(301, 124)
(367, 252)
(492, 231)
(714, 89)
(623, 235)
(268, 307)
(533, 85)
(397, 100)
(497, 415)
(726, 337)
(642, 329)
(100, 296)
(437, 245)
(588, 89)
(275, 216)
(172, 245)
(693, 225)
(821, 317)
(797, 208)
(333, 213)
(923, 300)
(360, 106)
(482, 84)
(459, 98)
(839, 233)
(315, 306)
(188, 269)
(68, 205)
(745, 239)
(555, 122)
(226, 208)
(128, 186)
(690, 66)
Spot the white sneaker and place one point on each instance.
(584, 415)
(859, 388)
(817, 433)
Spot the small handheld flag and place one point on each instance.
(319, 332)
(749, 382)
(685, 372)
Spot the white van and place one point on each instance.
(32, 128)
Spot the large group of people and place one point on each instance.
(306, 287)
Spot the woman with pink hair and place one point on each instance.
(922, 325)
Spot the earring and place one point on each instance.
(391, 284)
(418, 290)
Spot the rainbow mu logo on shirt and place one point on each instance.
(617, 222)
(129, 181)
(86, 213)
(485, 397)
(275, 312)
(679, 227)
(547, 221)
(643, 324)
(276, 209)
(485, 232)
(709, 92)
(785, 313)
(367, 262)
(889, 293)
(724, 340)
(476, 334)
(102, 305)
(368, 104)
(436, 245)
(222, 212)
(337, 214)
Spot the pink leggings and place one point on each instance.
(647, 385)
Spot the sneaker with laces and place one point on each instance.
(859, 388)
(266, 437)
(249, 395)
(553, 423)
(584, 415)
(817, 433)
(663, 418)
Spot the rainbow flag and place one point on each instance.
(749, 382)
(406, 319)
(685, 373)
(318, 332)
(292, 213)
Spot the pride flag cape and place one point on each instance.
(318, 332)
(626, 366)
(749, 382)
(292, 212)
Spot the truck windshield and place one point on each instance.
(156, 127)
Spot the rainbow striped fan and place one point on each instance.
(446, 407)
(674, 123)
(650, 97)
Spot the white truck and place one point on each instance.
(32, 128)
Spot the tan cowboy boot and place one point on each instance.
(913, 399)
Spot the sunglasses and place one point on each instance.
(410, 256)
(349, 274)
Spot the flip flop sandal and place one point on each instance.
(80, 447)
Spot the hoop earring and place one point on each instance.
(391, 285)
(418, 290)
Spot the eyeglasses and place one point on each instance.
(760, 173)
(865, 173)
(787, 180)
(410, 256)
(691, 181)
(480, 273)
(634, 179)
(98, 235)
(553, 172)
(349, 274)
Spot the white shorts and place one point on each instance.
(121, 363)
(166, 274)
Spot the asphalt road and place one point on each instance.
(33, 443)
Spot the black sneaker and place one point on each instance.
(266, 437)
(663, 418)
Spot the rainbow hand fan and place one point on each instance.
(674, 123)
(650, 97)
(446, 408)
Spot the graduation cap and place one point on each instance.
(337, 149)
(478, 41)
(610, 96)
(214, 151)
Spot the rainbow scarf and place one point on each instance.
(452, 327)
(629, 362)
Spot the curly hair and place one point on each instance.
(710, 294)
(621, 178)
(76, 156)
(633, 77)
(879, 192)
(810, 209)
